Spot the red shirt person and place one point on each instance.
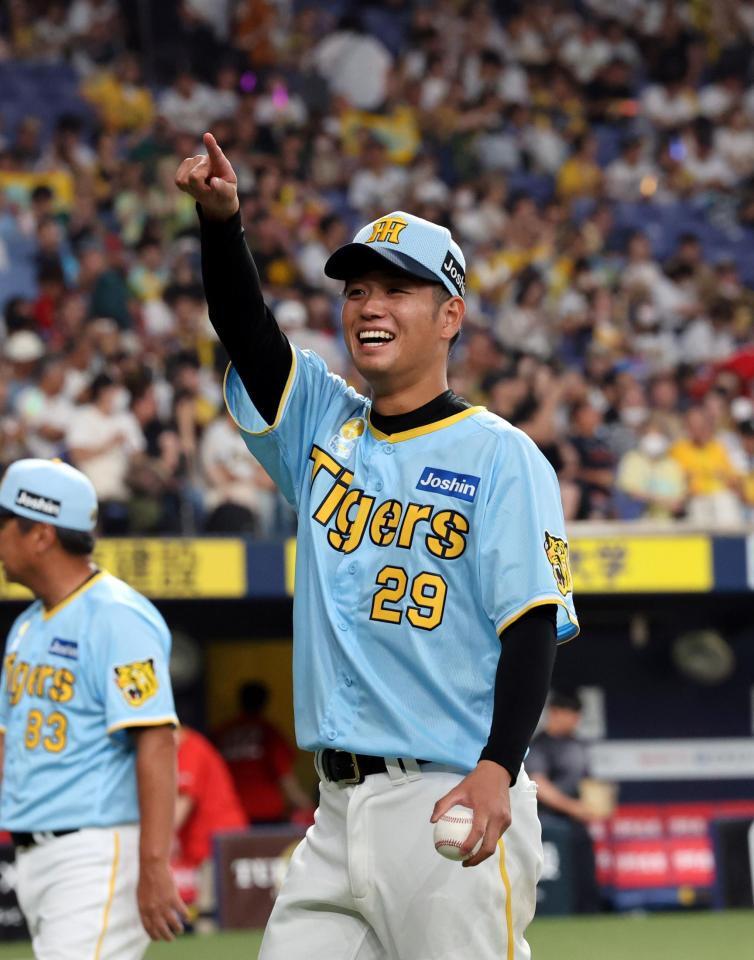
(260, 760)
(207, 800)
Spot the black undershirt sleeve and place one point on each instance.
(521, 684)
(257, 347)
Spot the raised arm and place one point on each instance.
(257, 348)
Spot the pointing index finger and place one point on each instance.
(213, 149)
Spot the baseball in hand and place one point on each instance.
(451, 830)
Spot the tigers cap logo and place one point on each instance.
(387, 230)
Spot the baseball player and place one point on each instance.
(86, 724)
(432, 584)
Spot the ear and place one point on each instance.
(45, 537)
(548, 541)
(451, 316)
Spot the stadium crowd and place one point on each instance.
(594, 159)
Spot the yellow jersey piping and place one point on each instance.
(48, 614)
(510, 944)
(422, 431)
(110, 895)
(542, 602)
(281, 405)
(145, 722)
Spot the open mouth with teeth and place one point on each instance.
(375, 338)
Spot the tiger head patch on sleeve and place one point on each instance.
(557, 553)
(137, 681)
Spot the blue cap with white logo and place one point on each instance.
(49, 491)
(416, 246)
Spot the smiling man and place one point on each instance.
(427, 606)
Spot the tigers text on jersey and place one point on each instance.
(75, 677)
(414, 551)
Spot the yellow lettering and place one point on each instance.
(45, 672)
(449, 528)
(32, 681)
(61, 690)
(385, 522)
(324, 512)
(349, 531)
(8, 663)
(387, 230)
(415, 513)
(323, 461)
(17, 681)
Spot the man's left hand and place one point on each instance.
(486, 792)
(160, 906)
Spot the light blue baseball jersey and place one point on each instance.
(414, 552)
(74, 679)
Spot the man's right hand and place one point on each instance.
(210, 181)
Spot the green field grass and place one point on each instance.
(697, 936)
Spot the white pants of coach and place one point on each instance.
(367, 883)
(78, 894)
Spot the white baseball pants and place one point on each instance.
(367, 884)
(78, 894)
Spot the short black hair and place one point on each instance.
(566, 700)
(79, 543)
(254, 697)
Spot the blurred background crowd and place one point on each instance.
(593, 158)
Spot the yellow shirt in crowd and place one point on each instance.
(708, 468)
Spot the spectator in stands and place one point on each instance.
(558, 762)
(421, 111)
(101, 439)
(292, 318)
(595, 473)
(122, 102)
(711, 479)
(378, 184)
(207, 804)
(23, 351)
(355, 64)
(187, 105)
(526, 327)
(156, 476)
(261, 762)
(45, 411)
(240, 496)
(581, 175)
(650, 483)
(631, 177)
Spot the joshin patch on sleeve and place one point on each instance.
(557, 553)
(137, 681)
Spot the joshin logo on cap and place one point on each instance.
(38, 503)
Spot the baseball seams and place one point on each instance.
(452, 831)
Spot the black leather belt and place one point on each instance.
(39, 836)
(339, 766)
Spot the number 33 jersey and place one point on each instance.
(75, 678)
(414, 552)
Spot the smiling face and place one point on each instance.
(397, 330)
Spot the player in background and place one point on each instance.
(432, 584)
(87, 730)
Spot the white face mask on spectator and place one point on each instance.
(654, 445)
(633, 416)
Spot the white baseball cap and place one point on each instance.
(49, 491)
(24, 346)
